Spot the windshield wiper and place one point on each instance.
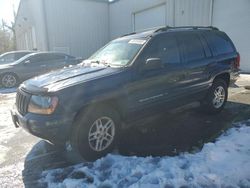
(105, 63)
(89, 62)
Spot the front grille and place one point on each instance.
(22, 101)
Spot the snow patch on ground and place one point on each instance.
(7, 128)
(13, 174)
(225, 163)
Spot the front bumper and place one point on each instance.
(54, 128)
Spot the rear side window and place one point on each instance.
(38, 58)
(192, 47)
(54, 57)
(165, 47)
(219, 43)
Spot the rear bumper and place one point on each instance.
(53, 128)
(233, 77)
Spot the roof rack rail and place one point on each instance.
(153, 29)
(129, 34)
(186, 27)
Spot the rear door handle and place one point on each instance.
(43, 66)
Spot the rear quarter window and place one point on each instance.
(219, 43)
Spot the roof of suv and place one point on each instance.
(150, 32)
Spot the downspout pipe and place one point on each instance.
(45, 26)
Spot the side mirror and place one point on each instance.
(153, 64)
(27, 62)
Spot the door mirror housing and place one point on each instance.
(27, 62)
(153, 64)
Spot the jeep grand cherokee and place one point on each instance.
(85, 107)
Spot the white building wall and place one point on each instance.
(192, 12)
(143, 19)
(30, 26)
(121, 14)
(78, 27)
(233, 17)
(177, 13)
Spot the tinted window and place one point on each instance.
(54, 57)
(192, 47)
(219, 43)
(165, 47)
(38, 58)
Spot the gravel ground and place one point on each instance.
(24, 157)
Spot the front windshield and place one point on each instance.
(118, 52)
(7, 58)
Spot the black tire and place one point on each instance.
(13, 80)
(208, 105)
(83, 149)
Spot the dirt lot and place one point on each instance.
(24, 157)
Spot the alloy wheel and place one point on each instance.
(219, 97)
(101, 134)
(9, 80)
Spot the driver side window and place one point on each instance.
(164, 47)
(37, 59)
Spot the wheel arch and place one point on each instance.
(109, 103)
(224, 76)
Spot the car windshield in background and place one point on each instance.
(118, 52)
(6, 59)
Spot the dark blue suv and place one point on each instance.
(85, 107)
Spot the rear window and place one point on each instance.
(219, 43)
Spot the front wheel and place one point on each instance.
(9, 80)
(216, 98)
(95, 133)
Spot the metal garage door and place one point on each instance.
(149, 18)
(192, 12)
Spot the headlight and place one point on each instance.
(42, 104)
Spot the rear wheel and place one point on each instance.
(9, 80)
(95, 133)
(216, 98)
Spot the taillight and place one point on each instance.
(237, 63)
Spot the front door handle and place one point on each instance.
(43, 66)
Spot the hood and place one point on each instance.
(66, 77)
(6, 66)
